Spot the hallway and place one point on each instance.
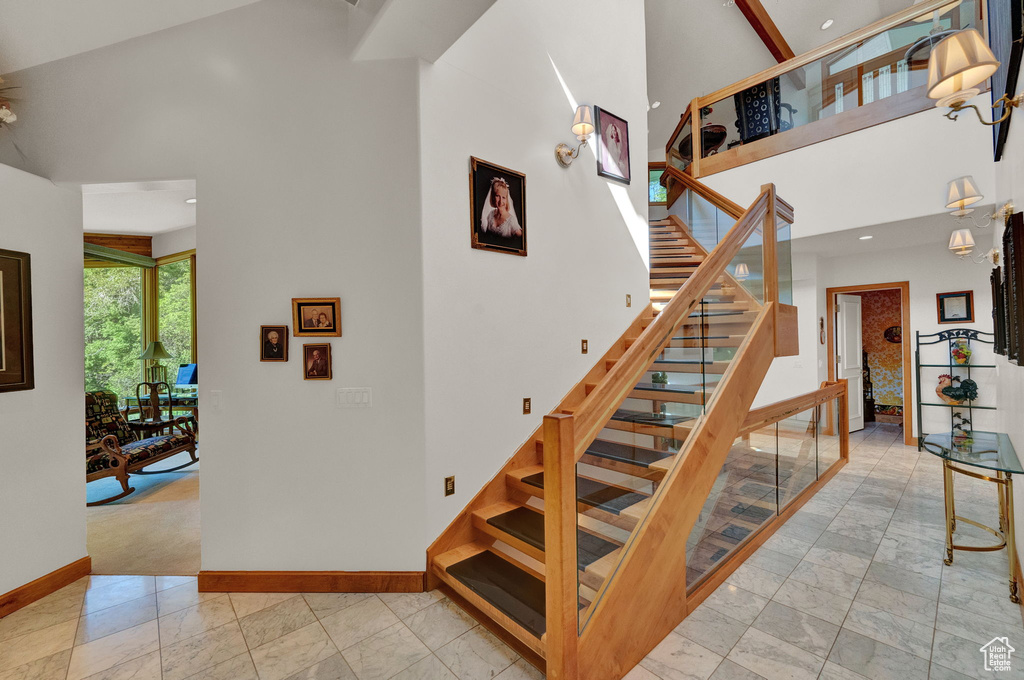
(852, 586)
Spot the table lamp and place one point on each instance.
(154, 352)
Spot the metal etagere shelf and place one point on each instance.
(960, 372)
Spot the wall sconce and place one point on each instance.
(742, 272)
(957, 64)
(582, 127)
(964, 192)
(962, 244)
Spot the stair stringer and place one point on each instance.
(461, 531)
(645, 598)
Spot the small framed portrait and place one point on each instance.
(316, 361)
(497, 203)
(16, 363)
(956, 307)
(316, 317)
(612, 146)
(273, 343)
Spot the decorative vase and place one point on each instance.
(960, 352)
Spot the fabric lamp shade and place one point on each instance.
(582, 122)
(959, 63)
(962, 192)
(742, 271)
(155, 350)
(961, 242)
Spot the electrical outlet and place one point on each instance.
(449, 486)
(526, 406)
(583, 346)
(629, 300)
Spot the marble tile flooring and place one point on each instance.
(853, 586)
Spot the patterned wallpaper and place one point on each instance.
(881, 309)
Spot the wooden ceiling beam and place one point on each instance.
(766, 29)
(758, 18)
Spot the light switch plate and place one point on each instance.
(583, 346)
(216, 399)
(527, 406)
(629, 300)
(449, 486)
(354, 397)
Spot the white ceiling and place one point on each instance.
(138, 207)
(34, 32)
(695, 47)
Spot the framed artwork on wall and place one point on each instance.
(497, 204)
(17, 370)
(316, 361)
(1013, 287)
(957, 307)
(612, 145)
(316, 317)
(273, 343)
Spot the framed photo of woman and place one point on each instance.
(497, 204)
(273, 343)
(612, 146)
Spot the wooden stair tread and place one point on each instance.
(626, 453)
(516, 593)
(528, 526)
(672, 389)
(693, 366)
(648, 418)
(611, 499)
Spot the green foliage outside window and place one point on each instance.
(113, 329)
(655, 192)
(175, 315)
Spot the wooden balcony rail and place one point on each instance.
(863, 116)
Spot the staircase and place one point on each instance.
(606, 494)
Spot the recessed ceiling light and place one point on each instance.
(190, 201)
(865, 238)
(826, 24)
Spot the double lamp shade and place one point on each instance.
(962, 193)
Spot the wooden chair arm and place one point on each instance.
(184, 424)
(109, 446)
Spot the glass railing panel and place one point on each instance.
(797, 454)
(707, 223)
(680, 150)
(747, 270)
(828, 435)
(742, 499)
(784, 250)
(880, 67)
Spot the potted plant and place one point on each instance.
(659, 379)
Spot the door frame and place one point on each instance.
(830, 306)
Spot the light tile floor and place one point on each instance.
(852, 586)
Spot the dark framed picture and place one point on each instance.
(316, 361)
(17, 370)
(612, 145)
(956, 307)
(316, 317)
(497, 204)
(273, 343)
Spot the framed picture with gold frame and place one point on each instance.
(273, 343)
(497, 204)
(316, 361)
(316, 317)
(17, 369)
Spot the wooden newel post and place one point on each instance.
(844, 419)
(769, 248)
(561, 595)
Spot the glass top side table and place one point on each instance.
(990, 452)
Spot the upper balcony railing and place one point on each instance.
(871, 76)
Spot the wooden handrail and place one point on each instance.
(840, 43)
(730, 208)
(780, 410)
(561, 641)
(600, 405)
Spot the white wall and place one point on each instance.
(930, 268)
(42, 488)
(500, 327)
(308, 168)
(173, 242)
(885, 173)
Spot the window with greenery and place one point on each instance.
(655, 192)
(113, 329)
(174, 302)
